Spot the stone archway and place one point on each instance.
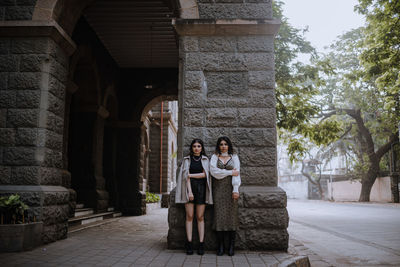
(36, 166)
(226, 74)
(65, 12)
(123, 179)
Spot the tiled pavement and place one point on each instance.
(138, 241)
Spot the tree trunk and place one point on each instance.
(368, 181)
(394, 177)
(394, 186)
(365, 191)
(367, 147)
(321, 192)
(310, 179)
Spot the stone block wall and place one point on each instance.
(33, 74)
(229, 90)
(16, 9)
(234, 9)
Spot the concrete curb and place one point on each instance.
(299, 261)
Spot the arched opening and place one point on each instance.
(126, 61)
(159, 128)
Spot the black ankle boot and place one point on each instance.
(200, 251)
(232, 235)
(189, 248)
(220, 241)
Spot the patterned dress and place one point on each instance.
(225, 208)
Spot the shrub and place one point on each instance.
(13, 210)
(152, 198)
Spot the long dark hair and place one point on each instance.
(228, 141)
(197, 140)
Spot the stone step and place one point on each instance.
(83, 211)
(80, 227)
(80, 206)
(86, 219)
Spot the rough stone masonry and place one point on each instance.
(227, 88)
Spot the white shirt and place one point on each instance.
(218, 173)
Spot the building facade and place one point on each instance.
(78, 77)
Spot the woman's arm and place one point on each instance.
(236, 181)
(198, 175)
(217, 172)
(189, 189)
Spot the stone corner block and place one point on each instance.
(262, 239)
(257, 156)
(257, 117)
(262, 197)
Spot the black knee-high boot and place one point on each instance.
(220, 241)
(232, 236)
(189, 248)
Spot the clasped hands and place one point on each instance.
(235, 172)
(235, 195)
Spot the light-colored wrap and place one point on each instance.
(181, 181)
(218, 173)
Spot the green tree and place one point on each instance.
(339, 96)
(361, 107)
(381, 59)
(296, 86)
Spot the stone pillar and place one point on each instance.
(33, 74)
(71, 88)
(132, 201)
(227, 88)
(101, 193)
(86, 155)
(143, 157)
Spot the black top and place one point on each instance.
(195, 165)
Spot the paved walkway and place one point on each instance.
(136, 241)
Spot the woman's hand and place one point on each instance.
(191, 197)
(235, 195)
(235, 172)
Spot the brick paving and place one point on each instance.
(137, 241)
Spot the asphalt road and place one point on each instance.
(348, 234)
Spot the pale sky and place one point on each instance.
(326, 18)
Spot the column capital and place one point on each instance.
(30, 28)
(226, 27)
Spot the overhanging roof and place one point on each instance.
(137, 33)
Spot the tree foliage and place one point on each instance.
(381, 55)
(297, 84)
(351, 94)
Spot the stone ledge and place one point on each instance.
(31, 188)
(223, 27)
(38, 29)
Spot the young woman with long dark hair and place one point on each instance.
(194, 189)
(225, 168)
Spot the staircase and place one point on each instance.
(85, 218)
